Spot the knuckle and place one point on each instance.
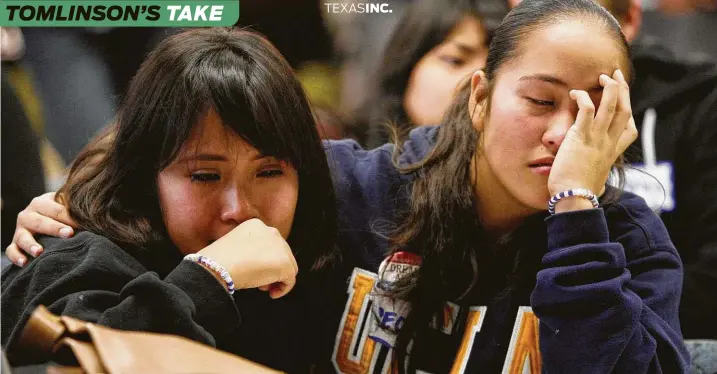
(35, 221)
(25, 214)
(58, 210)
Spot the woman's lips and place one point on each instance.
(542, 166)
(541, 169)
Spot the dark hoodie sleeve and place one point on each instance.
(608, 293)
(698, 226)
(372, 193)
(95, 281)
(367, 187)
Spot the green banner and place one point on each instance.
(128, 13)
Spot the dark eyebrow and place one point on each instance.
(553, 80)
(203, 157)
(196, 157)
(215, 157)
(545, 78)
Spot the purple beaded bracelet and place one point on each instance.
(215, 267)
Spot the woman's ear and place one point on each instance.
(479, 91)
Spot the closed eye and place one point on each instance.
(455, 61)
(204, 177)
(270, 173)
(541, 102)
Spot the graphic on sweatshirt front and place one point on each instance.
(371, 322)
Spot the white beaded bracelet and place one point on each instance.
(582, 192)
(215, 267)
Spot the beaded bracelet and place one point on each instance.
(582, 192)
(215, 267)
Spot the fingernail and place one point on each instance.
(603, 78)
(21, 262)
(35, 250)
(618, 72)
(65, 232)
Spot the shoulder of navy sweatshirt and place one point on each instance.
(372, 193)
(608, 289)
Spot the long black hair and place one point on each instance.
(112, 188)
(442, 224)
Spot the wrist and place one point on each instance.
(217, 270)
(572, 203)
(575, 199)
(215, 275)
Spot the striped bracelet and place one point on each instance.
(582, 192)
(215, 267)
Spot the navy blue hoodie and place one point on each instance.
(598, 291)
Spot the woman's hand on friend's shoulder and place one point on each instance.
(44, 216)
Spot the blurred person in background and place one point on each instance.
(359, 41)
(682, 6)
(435, 46)
(80, 73)
(688, 27)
